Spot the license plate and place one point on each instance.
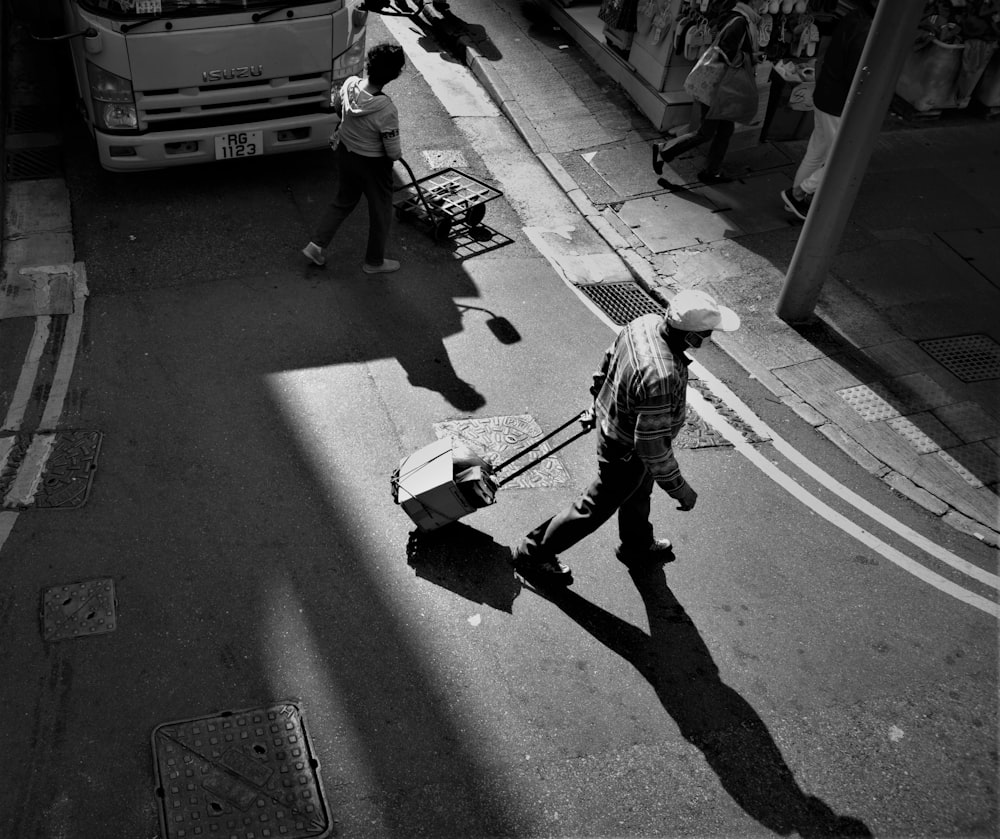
(239, 144)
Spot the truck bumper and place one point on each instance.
(135, 153)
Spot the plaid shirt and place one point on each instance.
(641, 396)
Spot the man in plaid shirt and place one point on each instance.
(640, 404)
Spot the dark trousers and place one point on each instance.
(358, 175)
(623, 483)
(719, 131)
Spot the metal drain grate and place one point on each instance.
(972, 358)
(622, 302)
(30, 119)
(239, 774)
(33, 164)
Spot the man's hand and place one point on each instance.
(685, 497)
(588, 420)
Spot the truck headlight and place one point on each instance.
(114, 101)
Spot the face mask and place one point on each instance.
(695, 339)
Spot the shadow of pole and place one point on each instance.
(711, 716)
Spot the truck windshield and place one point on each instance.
(147, 9)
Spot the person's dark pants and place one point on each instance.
(623, 483)
(358, 175)
(718, 131)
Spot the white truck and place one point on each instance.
(174, 82)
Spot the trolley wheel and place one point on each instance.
(403, 214)
(475, 216)
(442, 230)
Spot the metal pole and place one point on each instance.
(891, 37)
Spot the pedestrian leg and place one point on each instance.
(620, 472)
(634, 528)
(345, 199)
(809, 174)
(378, 192)
(721, 132)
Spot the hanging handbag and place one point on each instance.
(704, 77)
(736, 98)
(707, 72)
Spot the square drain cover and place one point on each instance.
(498, 438)
(622, 302)
(78, 609)
(239, 774)
(971, 358)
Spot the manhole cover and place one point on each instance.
(74, 610)
(497, 439)
(35, 163)
(67, 476)
(239, 774)
(622, 302)
(971, 358)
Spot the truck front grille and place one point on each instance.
(225, 104)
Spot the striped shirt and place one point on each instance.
(642, 398)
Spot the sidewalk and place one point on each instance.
(901, 367)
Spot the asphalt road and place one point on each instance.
(779, 677)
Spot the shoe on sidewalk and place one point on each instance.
(657, 160)
(544, 573)
(314, 253)
(387, 267)
(794, 205)
(658, 553)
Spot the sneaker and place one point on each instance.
(657, 160)
(387, 267)
(549, 572)
(314, 253)
(711, 178)
(658, 553)
(795, 205)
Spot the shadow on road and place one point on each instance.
(712, 716)
(467, 562)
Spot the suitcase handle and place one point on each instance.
(585, 418)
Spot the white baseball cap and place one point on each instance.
(695, 311)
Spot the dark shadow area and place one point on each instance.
(448, 31)
(711, 716)
(467, 562)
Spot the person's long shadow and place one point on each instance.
(712, 716)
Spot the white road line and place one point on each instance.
(800, 493)
(784, 448)
(67, 357)
(29, 475)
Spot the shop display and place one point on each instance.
(956, 44)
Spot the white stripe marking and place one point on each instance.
(711, 416)
(813, 471)
(29, 476)
(67, 357)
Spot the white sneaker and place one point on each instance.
(387, 267)
(314, 253)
